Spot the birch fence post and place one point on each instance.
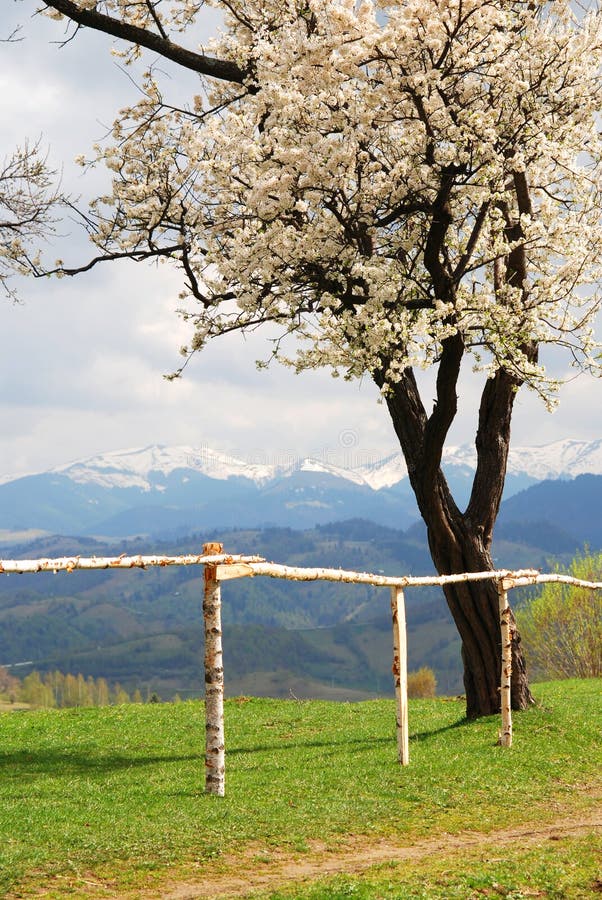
(506, 663)
(400, 673)
(215, 748)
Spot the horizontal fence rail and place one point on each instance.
(257, 565)
(220, 566)
(74, 563)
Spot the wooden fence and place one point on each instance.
(219, 566)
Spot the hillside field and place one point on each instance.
(110, 802)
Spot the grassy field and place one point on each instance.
(110, 802)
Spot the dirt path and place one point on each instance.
(264, 871)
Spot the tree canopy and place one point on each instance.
(381, 179)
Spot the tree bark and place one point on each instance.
(400, 673)
(461, 541)
(215, 745)
(475, 609)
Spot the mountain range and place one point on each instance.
(160, 490)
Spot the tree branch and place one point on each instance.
(497, 401)
(410, 422)
(492, 445)
(460, 269)
(435, 242)
(446, 404)
(134, 255)
(223, 69)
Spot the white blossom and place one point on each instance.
(374, 187)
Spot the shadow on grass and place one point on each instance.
(24, 763)
(425, 735)
(334, 747)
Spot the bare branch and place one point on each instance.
(223, 69)
(134, 255)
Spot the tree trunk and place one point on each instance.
(475, 609)
(461, 541)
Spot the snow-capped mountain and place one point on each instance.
(146, 467)
(159, 489)
(561, 459)
(143, 468)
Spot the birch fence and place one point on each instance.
(220, 566)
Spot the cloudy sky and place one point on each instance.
(83, 359)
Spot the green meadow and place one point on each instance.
(110, 801)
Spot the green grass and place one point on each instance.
(119, 791)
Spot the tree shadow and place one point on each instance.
(25, 763)
(419, 736)
(331, 747)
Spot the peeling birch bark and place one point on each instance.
(506, 670)
(239, 566)
(215, 746)
(520, 579)
(73, 563)
(295, 573)
(400, 673)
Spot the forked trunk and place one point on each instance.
(461, 541)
